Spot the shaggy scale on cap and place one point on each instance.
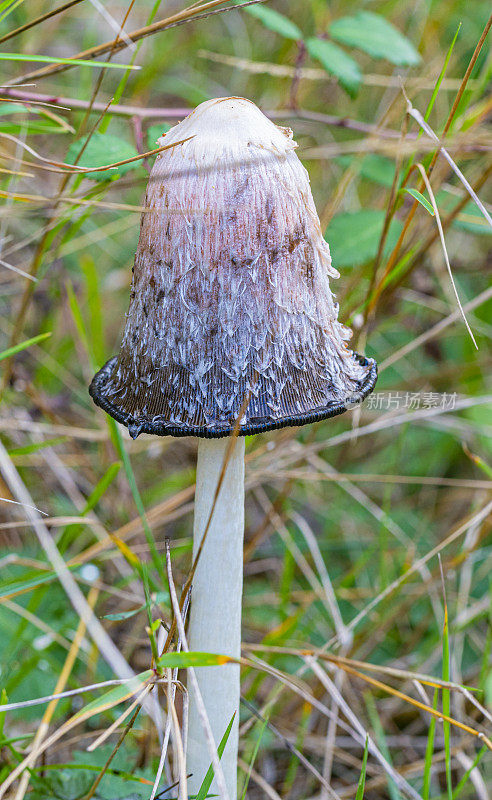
(230, 295)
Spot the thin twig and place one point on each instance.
(443, 243)
(122, 737)
(38, 20)
(74, 169)
(173, 21)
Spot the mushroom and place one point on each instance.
(231, 319)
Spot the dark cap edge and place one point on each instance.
(136, 427)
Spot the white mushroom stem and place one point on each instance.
(215, 616)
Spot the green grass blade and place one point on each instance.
(9, 8)
(3, 702)
(487, 649)
(207, 781)
(393, 790)
(479, 461)
(95, 306)
(121, 449)
(465, 777)
(148, 608)
(182, 660)
(11, 351)
(362, 779)
(286, 581)
(441, 76)
(19, 587)
(253, 757)
(302, 730)
(429, 751)
(446, 702)
(421, 199)
(27, 449)
(100, 488)
(51, 60)
(72, 531)
(5, 5)
(433, 98)
(80, 323)
(264, 724)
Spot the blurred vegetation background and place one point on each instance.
(361, 531)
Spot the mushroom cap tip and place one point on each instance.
(231, 122)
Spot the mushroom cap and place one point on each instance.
(231, 313)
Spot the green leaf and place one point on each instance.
(207, 781)
(11, 351)
(103, 149)
(374, 167)
(376, 36)
(421, 199)
(120, 781)
(354, 236)
(155, 625)
(275, 21)
(336, 62)
(192, 659)
(154, 132)
(124, 614)
(66, 783)
(378, 169)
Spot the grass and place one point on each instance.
(361, 676)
